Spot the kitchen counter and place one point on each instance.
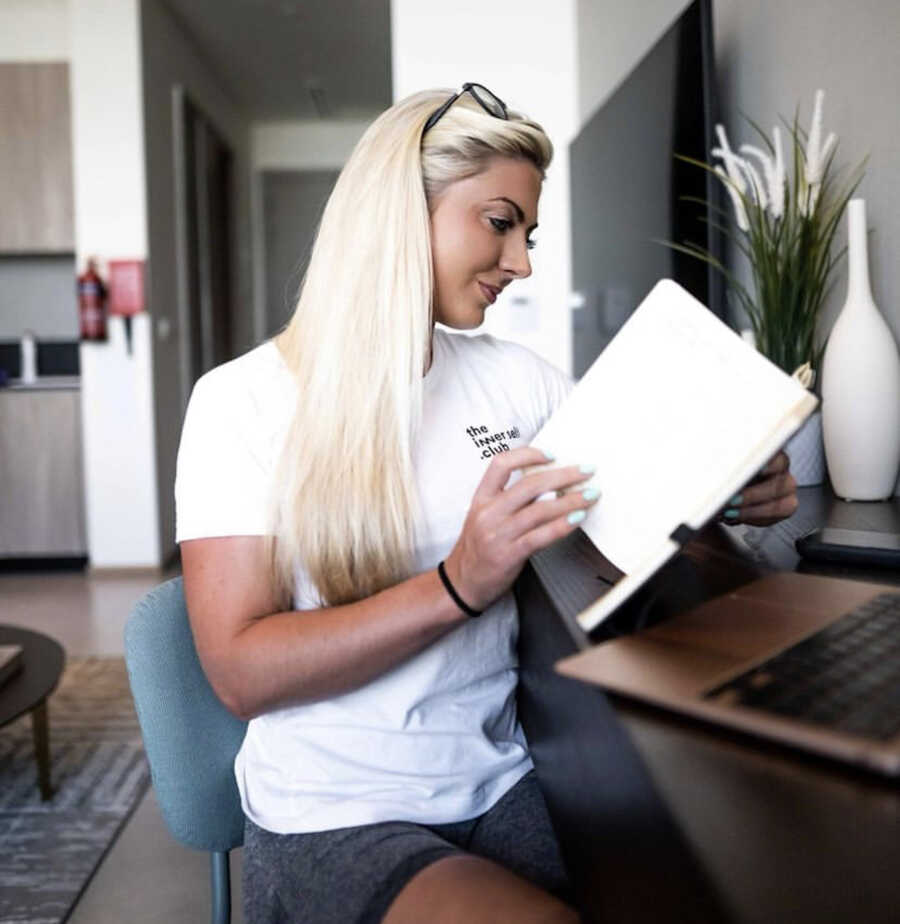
(44, 383)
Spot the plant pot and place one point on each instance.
(806, 452)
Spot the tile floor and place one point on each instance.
(147, 878)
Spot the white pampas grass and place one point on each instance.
(736, 198)
(745, 181)
(786, 202)
(731, 160)
(732, 176)
(757, 186)
(817, 155)
(773, 170)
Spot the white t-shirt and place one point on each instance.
(435, 739)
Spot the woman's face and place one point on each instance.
(480, 236)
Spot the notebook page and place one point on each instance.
(667, 413)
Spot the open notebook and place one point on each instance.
(677, 414)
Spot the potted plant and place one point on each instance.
(784, 222)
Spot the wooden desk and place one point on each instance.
(664, 819)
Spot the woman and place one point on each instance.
(355, 500)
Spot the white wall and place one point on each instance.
(111, 221)
(524, 50)
(304, 145)
(612, 38)
(108, 129)
(34, 30)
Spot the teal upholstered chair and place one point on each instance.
(190, 737)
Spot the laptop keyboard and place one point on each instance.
(845, 677)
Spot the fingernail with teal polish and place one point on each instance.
(587, 469)
(736, 501)
(549, 457)
(731, 514)
(590, 494)
(576, 516)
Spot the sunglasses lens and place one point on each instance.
(487, 99)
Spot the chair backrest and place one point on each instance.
(190, 738)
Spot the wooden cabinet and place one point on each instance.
(37, 212)
(41, 484)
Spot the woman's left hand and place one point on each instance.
(771, 496)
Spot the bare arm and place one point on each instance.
(259, 657)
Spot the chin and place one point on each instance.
(465, 311)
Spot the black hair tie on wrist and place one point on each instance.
(442, 574)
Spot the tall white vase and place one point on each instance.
(861, 384)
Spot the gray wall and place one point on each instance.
(171, 57)
(770, 56)
(293, 202)
(612, 37)
(38, 294)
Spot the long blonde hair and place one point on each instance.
(359, 342)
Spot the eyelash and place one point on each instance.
(502, 225)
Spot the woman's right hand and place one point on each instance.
(506, 525)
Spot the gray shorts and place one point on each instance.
(351, 875)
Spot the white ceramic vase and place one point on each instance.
(861, 384)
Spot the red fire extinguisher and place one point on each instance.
(92, 304)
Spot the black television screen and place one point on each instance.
(628, 188)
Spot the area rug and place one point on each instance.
(50, 850)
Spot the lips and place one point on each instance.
(490, 292)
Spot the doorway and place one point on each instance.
(204, 235)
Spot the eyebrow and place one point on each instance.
(519, 213)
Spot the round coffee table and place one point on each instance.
(28, 689)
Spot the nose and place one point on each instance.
(514, 261)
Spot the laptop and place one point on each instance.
(805, 660)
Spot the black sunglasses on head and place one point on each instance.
(490, 103)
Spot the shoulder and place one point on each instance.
(235, 422)
(246, 402)
(254, 376)
(253, 393)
